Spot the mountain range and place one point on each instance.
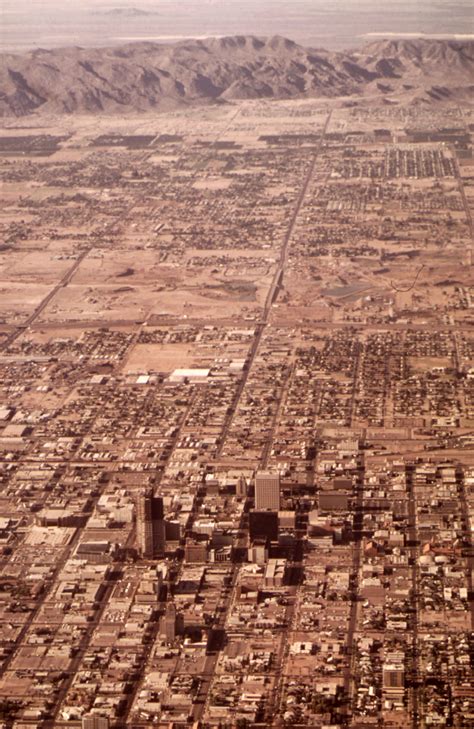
(145, 76)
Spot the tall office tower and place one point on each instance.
(150, 525)
(168, 623)
(267, 491)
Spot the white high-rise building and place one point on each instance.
(267, 491)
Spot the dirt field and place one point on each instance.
(162, 358)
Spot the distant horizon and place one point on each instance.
(164, 40)
(29, 24)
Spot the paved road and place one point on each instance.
(272, 296)
(412, 536)
(275, 287)
(349, 671)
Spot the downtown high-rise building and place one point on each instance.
(168, 623)
(267, 491)
(150, 525)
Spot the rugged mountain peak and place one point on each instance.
(146, 75)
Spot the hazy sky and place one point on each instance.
(329, 23)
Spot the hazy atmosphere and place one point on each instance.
(336, 24)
